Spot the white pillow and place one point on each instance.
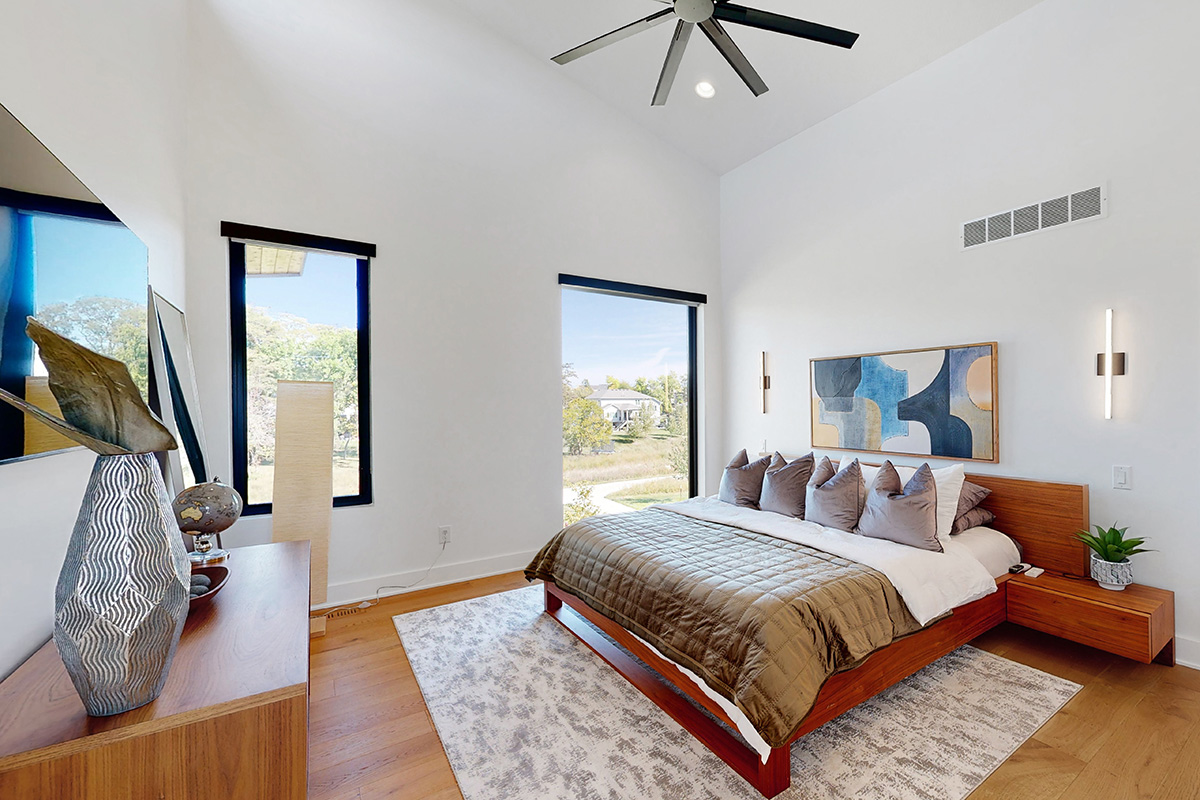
(949, 482)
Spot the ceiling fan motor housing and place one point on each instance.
(694, 10)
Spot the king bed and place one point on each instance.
(749, 621)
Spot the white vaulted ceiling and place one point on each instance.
(808, 81)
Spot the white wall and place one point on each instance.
(481, 175)
(845, 240)
(101, 85)
(27, 166)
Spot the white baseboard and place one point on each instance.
(1187, 652)
(442, 574)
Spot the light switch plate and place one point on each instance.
(1122, 477)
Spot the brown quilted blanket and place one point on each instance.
(763, 621)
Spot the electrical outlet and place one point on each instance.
(443, 534)
(1122, 477)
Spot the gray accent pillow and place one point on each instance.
(907, 516)
(741, 485)
(785, 485)
(974, 518)
(832, 497)
(972, 495)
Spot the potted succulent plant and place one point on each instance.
(1110, 556)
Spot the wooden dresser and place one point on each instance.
(231, 722)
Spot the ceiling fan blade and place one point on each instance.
(720, 39)
(729, 12)
(671, 65)
(614, 36)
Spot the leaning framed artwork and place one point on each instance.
(938, 402)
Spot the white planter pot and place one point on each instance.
(1112, 575)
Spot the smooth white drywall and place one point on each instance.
(845, 240)
(27, 166)
(101, 85)
(481, 174)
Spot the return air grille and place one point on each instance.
(1000, 226)
(1026, 220)
(1056, 211)
(1077, 207)
(975, 233)
(1087, 204)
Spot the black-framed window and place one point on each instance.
(299, 310)
(692, 301)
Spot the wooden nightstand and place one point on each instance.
(1137, 623)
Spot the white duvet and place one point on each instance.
(931, 584)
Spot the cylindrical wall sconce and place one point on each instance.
(1109, 363)
(765, 382)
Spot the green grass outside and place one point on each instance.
(633, 458)
(663, 490)
(261, 480)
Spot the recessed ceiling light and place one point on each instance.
(706, 90)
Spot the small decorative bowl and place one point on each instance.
(218, 575)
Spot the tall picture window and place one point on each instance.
(630, 393)
(299, 312)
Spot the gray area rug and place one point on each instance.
(524, 709)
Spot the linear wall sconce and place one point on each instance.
(765, 382)
(1109, 363)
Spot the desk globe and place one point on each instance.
(204, 510)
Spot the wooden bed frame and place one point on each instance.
(1040, 516)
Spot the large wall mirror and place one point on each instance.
(67, 260)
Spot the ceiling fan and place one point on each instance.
(708, 15)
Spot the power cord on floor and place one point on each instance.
(354, 608)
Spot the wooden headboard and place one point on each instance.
(1043, 517)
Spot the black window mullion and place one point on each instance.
(630, 289)
(237, 360)
(301, 241)
(365, 484)
(693, 403)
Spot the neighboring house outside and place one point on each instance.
(622, 405)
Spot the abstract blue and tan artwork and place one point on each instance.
(938, 402)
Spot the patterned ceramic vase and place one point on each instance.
(1110, 574)
(122, 595)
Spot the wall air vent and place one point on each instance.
(1076, 207)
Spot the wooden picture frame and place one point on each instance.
(866, 403)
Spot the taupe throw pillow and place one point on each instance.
(741, 485)
(784, 485)
(907, 516)
(974, 518)
(972, 495)
(832, 497)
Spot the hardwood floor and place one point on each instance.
(1132, 732)
(370, 736)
